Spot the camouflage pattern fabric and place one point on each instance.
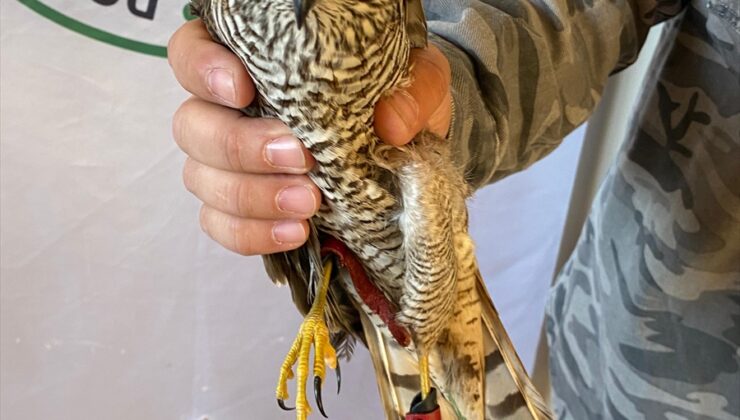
(644, 320)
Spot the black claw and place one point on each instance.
(317, 394)
(281, 404)
(338, 371)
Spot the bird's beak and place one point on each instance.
(301, 10)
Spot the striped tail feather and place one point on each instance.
(509, 393)
(397, 372)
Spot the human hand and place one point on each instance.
(250, 173)
(424, 105)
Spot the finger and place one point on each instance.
(254, 196)
(399, 117)
(252, 236)
(207, 69)
(226, 139)
(440, 120)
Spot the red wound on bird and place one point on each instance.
(371, 295)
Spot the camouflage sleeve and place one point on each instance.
(527, 72)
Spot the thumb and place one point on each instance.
(400, 116)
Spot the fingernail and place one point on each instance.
(406, 108)
(221, 84)
(288, 232)
(297, 199)
(285, 152)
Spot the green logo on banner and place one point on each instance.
(105, 36)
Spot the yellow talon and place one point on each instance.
(314, 332)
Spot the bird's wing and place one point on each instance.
(299, 269)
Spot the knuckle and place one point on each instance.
(318, 198)
(173, 53)
(242, 240)
(243, 199)
(189, 174)
(233, 145)
(201, 62)
(180, 54)
(182, 121)
(179, 123)
(442, 63)
(204, 219)
(435, 62)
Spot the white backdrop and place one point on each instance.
(113, 304)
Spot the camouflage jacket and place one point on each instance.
(644, 320)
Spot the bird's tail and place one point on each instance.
(508, 391)
(397, 372)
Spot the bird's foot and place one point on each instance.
(313, 332)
